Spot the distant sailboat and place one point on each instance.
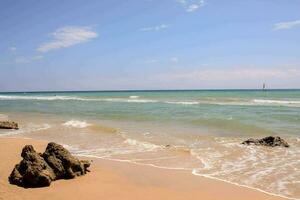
(264, 86)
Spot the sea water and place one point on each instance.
(200, 130)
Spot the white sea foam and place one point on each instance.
(137, 99)
(134, 97)
(144, 146)
(45, 98)
(193, 171)
(76, 124)
(71, 148)
(252, 166)
(141, 101)
(132, 100)
(272, 101)
(29, 128)
(249, 168)
(183, 102)
(3, 117)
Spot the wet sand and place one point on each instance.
(119, 180)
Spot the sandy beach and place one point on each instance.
(118, 180)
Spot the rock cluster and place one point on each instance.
(39, 170)
(269, 141)
(8, 125)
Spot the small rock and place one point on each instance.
(270, 141)
(8, 125)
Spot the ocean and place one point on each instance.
(195, 130)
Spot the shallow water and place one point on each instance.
(199, 131)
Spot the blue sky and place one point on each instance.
(149, 44)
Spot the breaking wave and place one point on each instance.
(134, 97)
(272, 101)
(76, 124)
(144, 146)
(183, 102)
(137, 99)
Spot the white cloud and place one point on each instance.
(286, 25)
(151, 61)
(68, 36)
(238, 74)
(12, 48)
(174, 59)
(25, 60)
(155, 28)
(191, 5)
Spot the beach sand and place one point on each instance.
(118, 180)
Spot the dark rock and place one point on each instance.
(8, 125)
(65, 165)
(270, 141)
(32, 171)
(39, 170)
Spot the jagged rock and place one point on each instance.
(8, 125)
(39, 170)
(32, 171)
(270, 141)
(65, 165)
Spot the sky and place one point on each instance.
(149, 44)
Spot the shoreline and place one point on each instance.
(110, 179)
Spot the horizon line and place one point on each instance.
(150, 90)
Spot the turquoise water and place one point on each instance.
(244, 112)
(198, 131)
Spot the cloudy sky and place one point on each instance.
(148, 44)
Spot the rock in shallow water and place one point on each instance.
(270, 141)
(39, 170)
(8, 125)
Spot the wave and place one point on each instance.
(134, 97)
(272, 101)
(137, 99)
(27, 129)
(76, 124)
(183, 102)
(45, 98)
(55, 98)
(144, 146)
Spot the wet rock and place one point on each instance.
(8, 125)
(270, 141)
(64, 165)
(32, 171)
